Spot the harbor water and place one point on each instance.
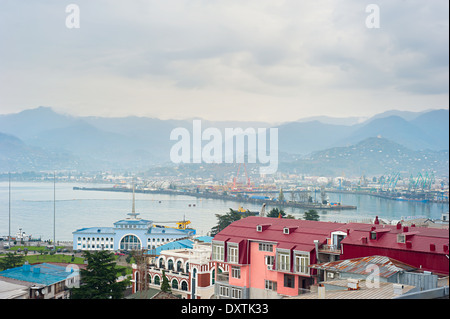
(32, 209)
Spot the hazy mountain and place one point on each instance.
(46, 137)
(306, 137)
(15, 155)
(372, 156)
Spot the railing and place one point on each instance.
(302, 291)
(223, 277)
(330, 249)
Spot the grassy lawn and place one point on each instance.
(54, 259)
(32, 248)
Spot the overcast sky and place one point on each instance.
(262, 60)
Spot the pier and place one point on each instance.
(236, 198)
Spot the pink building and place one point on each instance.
(269, 257)
(260, 257)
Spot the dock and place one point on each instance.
(236, 198)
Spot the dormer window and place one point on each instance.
(286, 230)
(259, 228)
(401, 238)
(373, 235)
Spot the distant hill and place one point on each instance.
(372, 156)
(46, 139)
(15, 155)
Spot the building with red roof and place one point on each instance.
(421, 247)
(261, 257)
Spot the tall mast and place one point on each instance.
(54, 209)
(9, 209)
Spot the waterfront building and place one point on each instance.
(273, 257)
(132, 233)
(190, 272)
(41, 281)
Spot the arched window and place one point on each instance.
(175, 284)
(179, 265)
(157, 280)
(170, 264)
(213, 277)
(130, 242)
(187, 268)
(161, 263)
(184, 285)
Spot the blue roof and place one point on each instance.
(179, 244)
(46, 274)
(205, 239)
(95, 230)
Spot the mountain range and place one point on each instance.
(42, 139)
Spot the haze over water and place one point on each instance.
(32, 209)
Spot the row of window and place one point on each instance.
(174, 283)
(283, 259)
(132, 226)
(225, 291)
(162, 240)
(96, 239)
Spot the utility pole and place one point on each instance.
(54, 210)
(9, 209)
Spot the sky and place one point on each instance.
(241, 60)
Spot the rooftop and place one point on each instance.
(387, 266)
(43, 274)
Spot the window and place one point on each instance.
(269, 260)
(223, 291)
(130, 242)
(289, 281)
(301, 263)
(283, 261)
(373, 235)
(401, 238)
(265, 247)
(218, 252)
(236, 272)
(175, 284)
(184, 285)
(233, 254)
(271, 285)
(236, 293)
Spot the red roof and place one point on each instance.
(420, 238)
(301, 232)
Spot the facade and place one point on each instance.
(132, 233)
(273, 258)
(43, 281)
(269, 257)
(421, 247)
(189, 271)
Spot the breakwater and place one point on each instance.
(242, 198)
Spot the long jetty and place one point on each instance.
(235, 198)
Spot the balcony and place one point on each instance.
(223, 277)
(330, 249)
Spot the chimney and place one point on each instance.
(408, 244)
(432, 247)
(398, 289)
(364, 240)
(445, 247)
(348, 231)
(376, 222)
(316, 243)
(399, 225)
(405, 229)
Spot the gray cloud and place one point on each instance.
(204, 56)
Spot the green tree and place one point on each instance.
(99, 279)
(275, 212)
(165, 283)
(311, 215)
(227, 219)
(11, 261)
